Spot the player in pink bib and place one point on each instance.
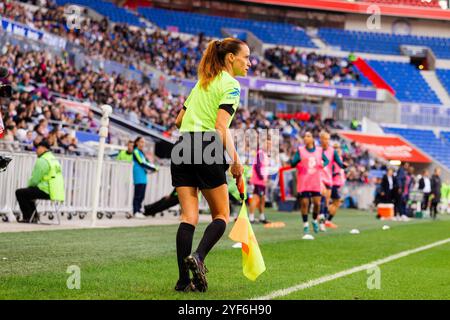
(327, 178)
(309, 161)
(339, 179)
(259, 181)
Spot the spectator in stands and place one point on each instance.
(10, 139)
(436, 186)
(425, 187)
(46, 182)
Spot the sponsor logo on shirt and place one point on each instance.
(234, 93)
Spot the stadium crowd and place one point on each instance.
(39, 78)
(312, 67)
(172, 54)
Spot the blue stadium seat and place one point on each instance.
(406, 80)
(427, 141)
(108, 9)
(268, 32)
(445, 135)
(444, 77)
(382, 43)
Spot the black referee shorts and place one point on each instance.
(198, 160)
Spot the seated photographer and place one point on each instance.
(46, 182)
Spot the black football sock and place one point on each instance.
(212, 234)
(185, 235)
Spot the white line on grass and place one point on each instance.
(315, 282)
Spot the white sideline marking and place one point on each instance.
(315, 282)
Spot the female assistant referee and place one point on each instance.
(203, 123)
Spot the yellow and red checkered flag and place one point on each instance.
(252, 259)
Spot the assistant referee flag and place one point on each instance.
(252, 259)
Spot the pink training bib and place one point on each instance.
(338, 176)
(255, 180)
(309, 170)
(327, 175)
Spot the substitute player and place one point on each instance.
(338, 181)
(259, 179)
(309, 161)
(207, 115)
(327, 177)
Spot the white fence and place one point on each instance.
(116, 191)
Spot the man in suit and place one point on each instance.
(388, 187)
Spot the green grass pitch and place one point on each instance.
(140, 263)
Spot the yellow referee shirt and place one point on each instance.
(202, 105)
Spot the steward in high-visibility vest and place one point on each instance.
(126, 155)
(46, 182)
(53, 182)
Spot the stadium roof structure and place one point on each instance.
(362, 8)
(389, 147)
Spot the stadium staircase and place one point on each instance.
(382, 43)
(433, 81)
(444, 78)
(372, 75)
(406, 80)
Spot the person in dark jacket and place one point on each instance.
(388, 187)
(405, 190)
(436, 185)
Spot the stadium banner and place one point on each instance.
(389, 147)
(75, 106)
(293, 87)
(32, 34)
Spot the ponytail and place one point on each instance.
(213, 59)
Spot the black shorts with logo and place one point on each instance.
(198, 160)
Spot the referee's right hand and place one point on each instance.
(237, 170)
